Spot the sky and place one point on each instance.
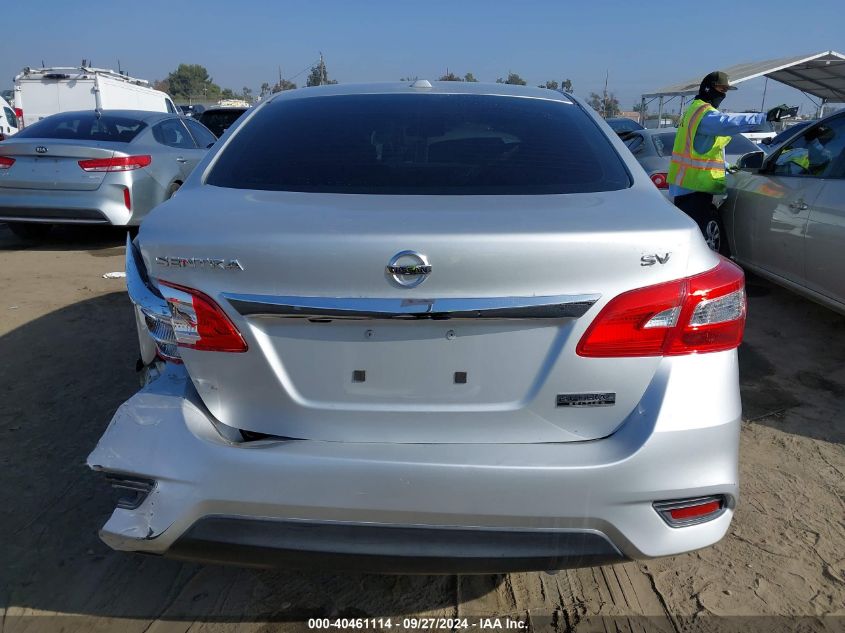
(640, 46)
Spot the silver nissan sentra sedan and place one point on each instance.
(89, 167)
(426, 328)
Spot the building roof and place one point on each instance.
(821, 75)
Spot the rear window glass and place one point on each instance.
(664, 143)
(85, 126)
(420, 144)
(218, 121)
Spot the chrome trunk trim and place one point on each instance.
(137, 284)
(549, 307)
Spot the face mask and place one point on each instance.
(717, 98)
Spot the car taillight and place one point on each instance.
(19, 116)
(118, 163)
(198, 322)
(127, 200)
(6, 162)
(660, 181)
(702, 313)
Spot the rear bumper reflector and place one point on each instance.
(686, 512)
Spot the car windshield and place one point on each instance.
(420, 144)
(624, 125)
(741, 145)
(85, 126)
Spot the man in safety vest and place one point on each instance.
(697, 168)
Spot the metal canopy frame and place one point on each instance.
(821, 76)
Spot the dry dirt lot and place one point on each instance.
(67, 357)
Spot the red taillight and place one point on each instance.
(19, 116)
(126, 199)
(199, 323)
(6, 162)
(703, 313)
(686, 512)
(119, 163)
(660, 181)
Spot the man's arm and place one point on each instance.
(720, 124)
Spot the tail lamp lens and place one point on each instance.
(660, 181)
(6, 162)
(19, 116)
(118, 163)
(703, 313)
(199, 323)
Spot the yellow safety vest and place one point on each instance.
(689, 169)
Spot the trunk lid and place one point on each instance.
(311, 295)
(53, 164)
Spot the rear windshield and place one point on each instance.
(663, 143)
(85, 126)
(218, 121)
(420, 144)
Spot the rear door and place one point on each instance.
(182, 149)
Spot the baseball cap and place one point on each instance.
(718, 78)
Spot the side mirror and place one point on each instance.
(751, 160)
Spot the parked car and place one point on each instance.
(653, 150)
(193, 110)
(91, 167)
(623, 124)
(41, 92)
(785, 215)
(8, 120)
(773, 143)
(219, 119)
(428, 328)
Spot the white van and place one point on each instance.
(41, 92)
(8, 120)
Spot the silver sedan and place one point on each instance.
(786, 218)
(88, 167)
(438, 327)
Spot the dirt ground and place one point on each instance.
(67, 357)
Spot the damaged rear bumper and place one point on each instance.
(407, 507)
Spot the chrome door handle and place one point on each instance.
(181, 160)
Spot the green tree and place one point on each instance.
(607, 105)
(227, 94)
(283, 84)
(409, 78)
(319, 75)
(566, 85)
(513, 79)
(470, 77)
(191, 81)
(551, 85)
(449, 76)
(265, 90)
(247, 94)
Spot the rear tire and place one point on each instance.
(30, 231)
(173, 188)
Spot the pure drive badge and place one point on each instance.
(604, 399)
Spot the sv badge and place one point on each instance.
(651, 260)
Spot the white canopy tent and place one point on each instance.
(821, 76)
